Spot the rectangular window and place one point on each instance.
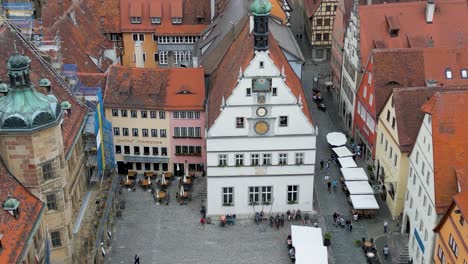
(162, 115)
(222, 160)
(135, 20)
(448, 73)
(283, 121)
(147, 166)
(327, 22)
(138, 165)
(391, 152)
(51, 201)
(239, 122)
(115, 112)
(283, 158)
(417, 157)
(138, 37)
(144, 132)
(423, 168)
(381, 138)
(156, 166)
(461, 220)
(126, 149)
(254, 195)
(136, 150)
(239, 159)
(135, 132)
(293, 193)
(371, 99)
(228, 195)
(146, 150)
(318, 37)
(118, 149)
(274, 91)
(47, 171)
(319, 22)
(133, 113)
(153, 114)
(388, 115)
(164, 152)
(386, 145)
(155, 151)
(266, 159)
(299, 158)
(144, 114)
(266, 194)
(155, 20)
(254, 159)
(154, 133)
(395, 160)
(116, 131)
(163, 57)
(55, 239)
(393, 122)
(464, 73)
(123, 113)
(326, 36)
(175, 115)
(162, 133)
(125, 131)
(176, 20)
(198, 132)
(364, 92)
(248, 92)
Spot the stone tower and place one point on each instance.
(261, 11)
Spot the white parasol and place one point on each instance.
(185, 178)
(163, 179)
(182, 191)
(157, 193)
(127, 178)
(149, 180)
(336, 139)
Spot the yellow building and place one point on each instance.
(452, 232)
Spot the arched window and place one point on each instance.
(42, 118)
(14, 122)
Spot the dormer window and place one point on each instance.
(11, 205)
(176, 20)
(464, 74)
(448, 73)
(135, 20)
(155, 20)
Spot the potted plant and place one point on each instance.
(327, 239)
(358, 243)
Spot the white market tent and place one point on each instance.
(336, 139)
(308, 242)
(342, 152)
(347, 162)
(362, 202)
(354, 174)
(359, 187)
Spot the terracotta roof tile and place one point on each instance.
(135, 9)
(156, 8)
(108, 10)
(448, 27)
(239, 54)
(277, 11)
(137, 88)
(16, 231)
(187, 10)
(461, 199)
(449, 112)
(437, 60)
(71, 122)
(409, 115)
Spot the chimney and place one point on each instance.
(139, 63)
(430, 8)
(195, 62)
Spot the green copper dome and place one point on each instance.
(260, 7)
(24, 108)
(10, 204)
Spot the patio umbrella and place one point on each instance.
(336, 139)
(157, 193)
(127, 178)
(182, 191)
(163, 179)
(149, 180)
(185, 178)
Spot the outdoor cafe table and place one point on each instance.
(188, 181)
(145, 183)
(132, 174)
(149, 174)
(167, 175)
(127, 183)
(162, 194)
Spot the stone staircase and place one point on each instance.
(404, 257)
(400, 242)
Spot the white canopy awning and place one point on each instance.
(342, 152)
(354, 174)
(347, 162)
(359, 187)
(361, 202)
(308, 242)
(336, 139)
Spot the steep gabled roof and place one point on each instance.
(17, 232)
(72, 121)
(239, 55)
(449, 112)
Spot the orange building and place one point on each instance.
(452, 231)
(161, 33)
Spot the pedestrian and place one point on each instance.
(354, 155)
(347, 224)
(355, 216)
(321, 165)
(293, 214)
(329, 186)
(137, 259)
(335, 215)
(385, 226)
(288, 215)
(327, 165)
(350, 227)
(386, 251)
(335, 184)
(342, 222)
(282, 220)
(203, 221)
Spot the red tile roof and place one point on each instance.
(169, 8)
(71, 122)
(17, 232)
(449, 112)
(408, 112)
(168, 89)
(93, 79)
(448, 27)
(239, 54)
(436, 60)
(461, 200)
(311, 7)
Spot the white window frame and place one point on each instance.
(227, 196)
(292, 193)
(222, 160)
(254, 195)
(155, 20)
(299, 158)
(282, 158)
(266, 159)
(255, 159)
(135, 20)
(163, 57)
(267, 194)
(239, 159)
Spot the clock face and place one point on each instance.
(261, 127)
(261, 111)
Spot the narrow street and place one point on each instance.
(343, 248)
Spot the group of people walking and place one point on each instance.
(339, 220)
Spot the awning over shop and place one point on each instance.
(342, 152)
(145, 159)
(354, 174)
(308, 242)
(362, 202)
(359, 187)
(336, 139)
(347, 162)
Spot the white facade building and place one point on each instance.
(419, 217)
(350, 76)
(261, 147)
